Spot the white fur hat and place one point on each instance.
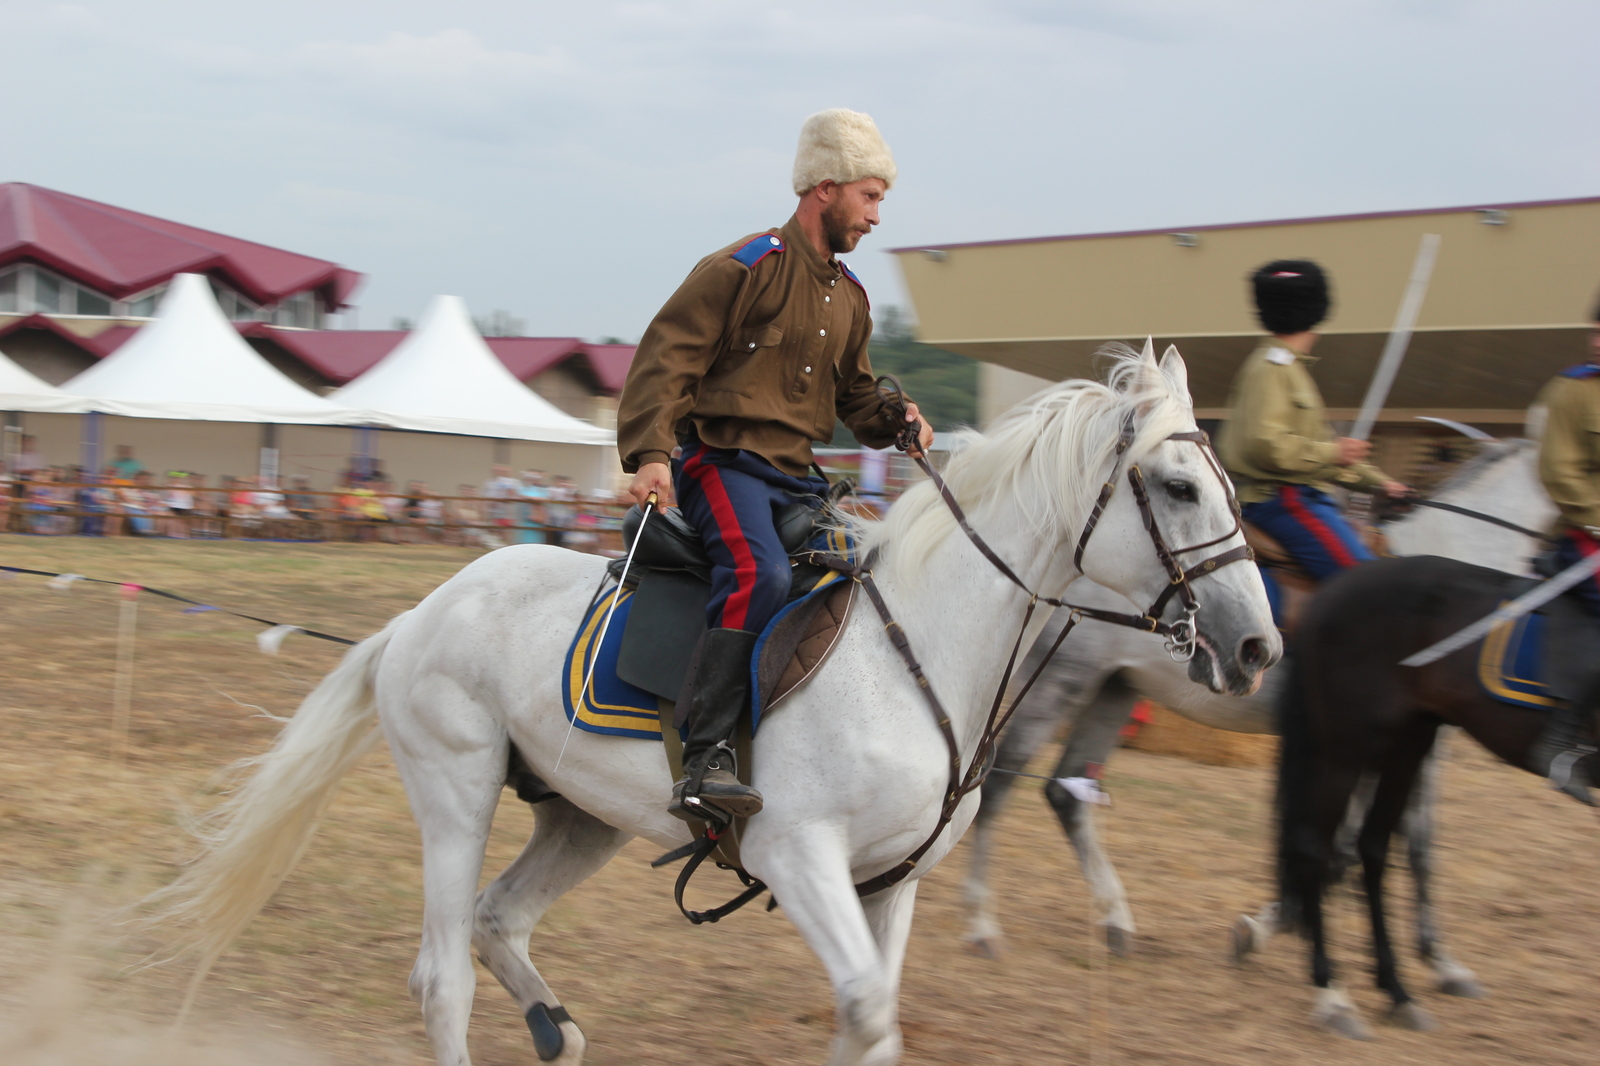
(843, 146)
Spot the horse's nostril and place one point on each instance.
(1253, 652)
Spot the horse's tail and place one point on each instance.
(1296, 759)
(251, 841)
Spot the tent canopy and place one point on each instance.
(444, 379)
(191, 363)
(20, 390)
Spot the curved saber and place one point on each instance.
(594, 660)
(1535, 597)
(1460, 427)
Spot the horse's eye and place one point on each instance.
(1181, 490)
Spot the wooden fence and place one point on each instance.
(78, 508)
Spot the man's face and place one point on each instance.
(850, 212)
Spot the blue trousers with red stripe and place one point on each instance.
(1311, 529)
(1573, 545)
(732, 498)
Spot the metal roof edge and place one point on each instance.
(1214, 227)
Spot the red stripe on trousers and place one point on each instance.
(709, 478)
(1319, 529)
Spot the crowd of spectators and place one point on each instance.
(125, 499)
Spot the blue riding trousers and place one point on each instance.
(1311, 529)
(732, 497)
(1573, 545)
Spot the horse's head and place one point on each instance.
(1171, 495)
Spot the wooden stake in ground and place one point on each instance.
(122, 683)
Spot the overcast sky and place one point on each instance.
(569, 162)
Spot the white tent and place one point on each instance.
(23, 391)
(191, 363)
(444, 379)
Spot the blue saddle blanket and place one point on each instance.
(615, 708)
(1511, 663)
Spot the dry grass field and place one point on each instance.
(324, 968)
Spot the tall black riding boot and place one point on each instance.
(721, 695)
(1572, 668)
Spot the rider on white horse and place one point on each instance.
(747, 364)
(1277, 446)
(1569, 466)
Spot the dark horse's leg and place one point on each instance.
(1396, 777)
(1314, 790)
(1417, 827)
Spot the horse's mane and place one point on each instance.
(1042, 460)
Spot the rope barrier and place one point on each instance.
(64, 581)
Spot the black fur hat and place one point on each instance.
(1291, 295)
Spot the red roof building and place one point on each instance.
(78, 278)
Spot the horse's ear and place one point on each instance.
(1177, 372)
(1149, 353)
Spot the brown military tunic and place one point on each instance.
(761, 347)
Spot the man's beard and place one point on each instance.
(842, 236)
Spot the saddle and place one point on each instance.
(1294, 584)
(671, 579)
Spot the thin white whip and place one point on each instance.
(594, 659)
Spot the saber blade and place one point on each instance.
(594, 659)
(1394, 349)
(1534, 598)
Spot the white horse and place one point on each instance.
(1097, 676)
(853, 768)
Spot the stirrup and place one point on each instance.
(1563, 776)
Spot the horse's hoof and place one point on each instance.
(1119, 941)
(1347, 1023)
(984, 947)
(1465, 987)
(1242, 936)
(1410, 1016)
(1335, 1012)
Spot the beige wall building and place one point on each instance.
(1511, 299)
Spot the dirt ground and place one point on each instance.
(325, 967)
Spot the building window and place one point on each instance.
(145, 306)
(92, 303)
(46, 292)
(8, 290)
(299, 310)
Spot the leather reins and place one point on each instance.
(1181, 635)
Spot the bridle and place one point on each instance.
(1181, 635)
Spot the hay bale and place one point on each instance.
(1167, 733)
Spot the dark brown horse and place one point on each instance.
(1350, 711)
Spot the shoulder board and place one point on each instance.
(852, 276)
(1281, 356)
(1582, 370)
(758, 249)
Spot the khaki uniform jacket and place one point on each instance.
(761, 358)
(1277, 430)
(1569, 453)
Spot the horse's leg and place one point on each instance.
(453, 765)
(1310, 867)
(567, 846)
(1052, 699)
(811, 878)
(1388, 804)
(1417, 825)
(889, 916)
(1095, 736)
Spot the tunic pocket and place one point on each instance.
(753, 340)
